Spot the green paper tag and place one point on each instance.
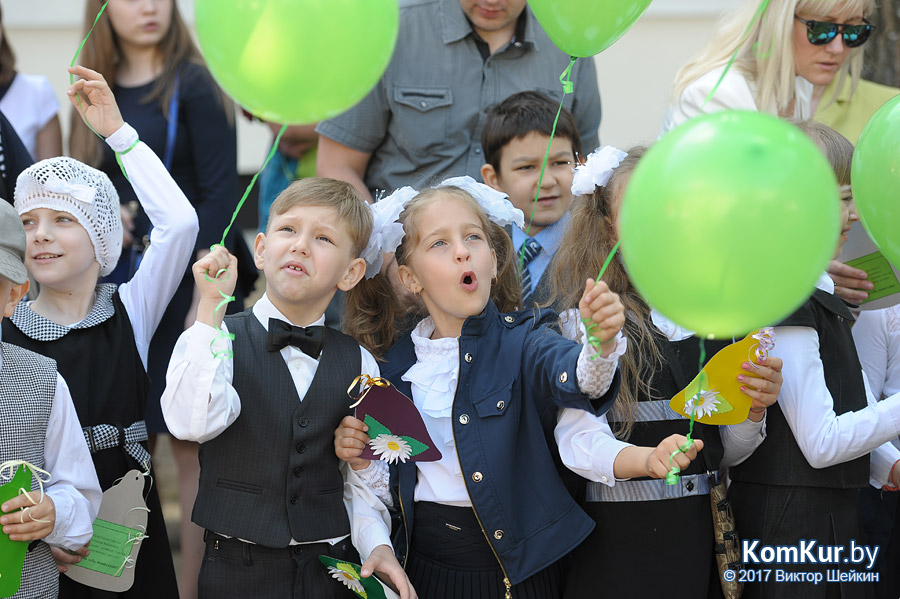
(110, 546)
(881, 274)
(12, 553)
(416, 446)
(375, 427)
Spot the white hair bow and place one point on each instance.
(82, 193)
(495, 203)
(596, 170)
(386, 231)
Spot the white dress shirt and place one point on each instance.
(588, 447)
(199, 403)
(877, 337)
(73, 484)
(824, 437)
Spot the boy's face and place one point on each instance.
(520, 168)
(307, 254)
(58, 251)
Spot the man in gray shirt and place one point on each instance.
(453, 59)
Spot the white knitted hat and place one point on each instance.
(67, 185)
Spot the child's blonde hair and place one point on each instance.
(332, 193)
(374, 314)
(589, 238)
(837, 148)
(766, 56)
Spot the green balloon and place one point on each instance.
(876, 179)
(586, 27)
(728, 221)
(297, 61)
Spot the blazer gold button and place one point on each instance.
(564, 377)
(501, 404)
(476, 476)
(509, 319)
(464, 419)
(498, 534)
(468, 357)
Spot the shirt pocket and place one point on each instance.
(497, 401)
(422, 115)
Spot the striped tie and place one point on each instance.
(528, 251)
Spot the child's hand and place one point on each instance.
(24, 520)
(214, 272)
(65, 558)
(763, 391)
(382, 561)
(658, 460)
(350, 439)
(98, 106)
(601, 306)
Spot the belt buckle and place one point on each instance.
(90, 434)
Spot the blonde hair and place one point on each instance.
(374, 313)
(331, 193)
(588, 240)
(837, 148)
(766, 54)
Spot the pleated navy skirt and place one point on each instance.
(450, 558)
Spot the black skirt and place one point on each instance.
(450, 558)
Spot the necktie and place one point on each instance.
(309, 340)
(528, 252)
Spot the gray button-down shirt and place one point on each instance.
(422, 121)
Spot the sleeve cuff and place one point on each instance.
(201, 346)
(123, 138)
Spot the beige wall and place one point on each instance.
(635, 74)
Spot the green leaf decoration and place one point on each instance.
(723, 407)
(12, 553)
(375, 427)
(416, 446)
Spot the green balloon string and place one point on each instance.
(568, 86)
(589, 324)
(219, 278)
(672, 476)
(757, 17)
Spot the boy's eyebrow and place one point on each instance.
(554, 156)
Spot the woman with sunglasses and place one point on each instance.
(784, 62)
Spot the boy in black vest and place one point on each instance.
(38, 426)
(514, 139)
(273, 496)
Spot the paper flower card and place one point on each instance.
(12, 553)
(397, 432)
(715, 395)
(349, 575)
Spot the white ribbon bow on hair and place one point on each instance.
(82, 193)
(387, 233)
(596, 170)
(495, 203)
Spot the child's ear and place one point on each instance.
(15, 295)
(353, 275)
(259, 250)
(490, 176)
(408, 279)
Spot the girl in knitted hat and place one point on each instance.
(99, 334)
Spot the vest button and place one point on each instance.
(301, 447)
(501, 404)
(464, 419)
(303, 421)
(467, 357)
(298, 471)
(477, 477)
(498, 534)
(294, 499)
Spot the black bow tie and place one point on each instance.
(309, 340)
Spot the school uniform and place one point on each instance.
(827, 439)
(38, 425)
(103, 357)
(273, 496)
(535, 259)
(644, 520)
(493, 510)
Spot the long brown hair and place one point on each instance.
(7, 56)
(374, 312)
(588, 240)
(102, 54)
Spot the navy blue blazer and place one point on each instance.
(513, 368)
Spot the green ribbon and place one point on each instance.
(568, 86)
(589, 324)
(672, 476)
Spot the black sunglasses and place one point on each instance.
(820, 33)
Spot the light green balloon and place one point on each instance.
(876, 179)
(297, 61)
(728, 221)
(586, 27)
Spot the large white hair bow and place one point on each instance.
(596, 170)
(387, 233)
(495, 203)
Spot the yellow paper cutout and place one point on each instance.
(720, 401)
